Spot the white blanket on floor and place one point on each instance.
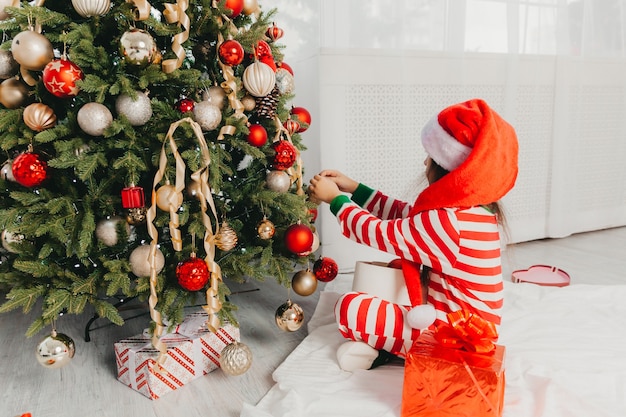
(565, 357)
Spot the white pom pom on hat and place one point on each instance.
(421, 317)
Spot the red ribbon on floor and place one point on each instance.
(467, 331)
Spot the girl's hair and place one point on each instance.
(495, 207)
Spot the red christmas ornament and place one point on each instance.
(263, 50)
(257, 136)
(133, 197)
(274, 32)
(299, 238)
(29, 169)
(192, 273)
(236, 6)
(185, 105)
(292, 126)
(60, 77)
(231, 52)
(325, 269)
(313, 213)
(303, 116)
(285, 66)
(286, 155)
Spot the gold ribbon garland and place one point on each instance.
(142, 9)
(176, 13)
(200, 176)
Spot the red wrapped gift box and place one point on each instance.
(441, 381)
(192, 351)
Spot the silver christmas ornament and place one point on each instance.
(55, 350)
(278, 181)
(94, 118)
(138, 111)
(284, 81)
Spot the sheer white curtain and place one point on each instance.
(374, 71)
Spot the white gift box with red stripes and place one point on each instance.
(192, 351)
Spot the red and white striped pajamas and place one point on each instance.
(462, 246)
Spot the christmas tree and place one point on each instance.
(153, 151)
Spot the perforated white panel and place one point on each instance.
(569, 117)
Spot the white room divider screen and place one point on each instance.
(569, 116)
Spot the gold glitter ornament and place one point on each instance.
(226, 238)
(235, 358)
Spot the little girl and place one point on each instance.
(448, 239)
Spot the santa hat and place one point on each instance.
(479, 149)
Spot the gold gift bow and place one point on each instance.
(213, 304)
(175, 13)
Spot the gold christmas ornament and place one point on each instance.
(259, 79)
(39, 117)
(138, 111)
(278, 181)
(215, 95)
(248, 102)
(90, 8)
(32, 50)
(167, 197)
(235, 358)
(304, 282)
(136, 215)
(106, 230)
(266, 229)
(8, 66)
(226, 238)
(7, 3)
(140, 262)
(250, 7)
(207, 114)
(94, 118)
(13, 93)
(138, 47)
(289, 316)
(55, 350)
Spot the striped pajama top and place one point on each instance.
(462, 246)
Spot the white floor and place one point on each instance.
(88, 385)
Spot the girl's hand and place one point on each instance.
(345, 183)
(323, 189)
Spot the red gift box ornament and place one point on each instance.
(133, 197)
(467, 331)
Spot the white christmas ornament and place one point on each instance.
(421, 317)
(137, 111)
(208, 115)
(259, 79)
(89, 8)
(140, 262)
(106, 230)
(94, 118)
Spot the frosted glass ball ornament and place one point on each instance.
(94, 118)
(140, 261)
(138, 111)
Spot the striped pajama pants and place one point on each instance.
(377, 322)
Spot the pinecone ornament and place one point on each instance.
(266, 106)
